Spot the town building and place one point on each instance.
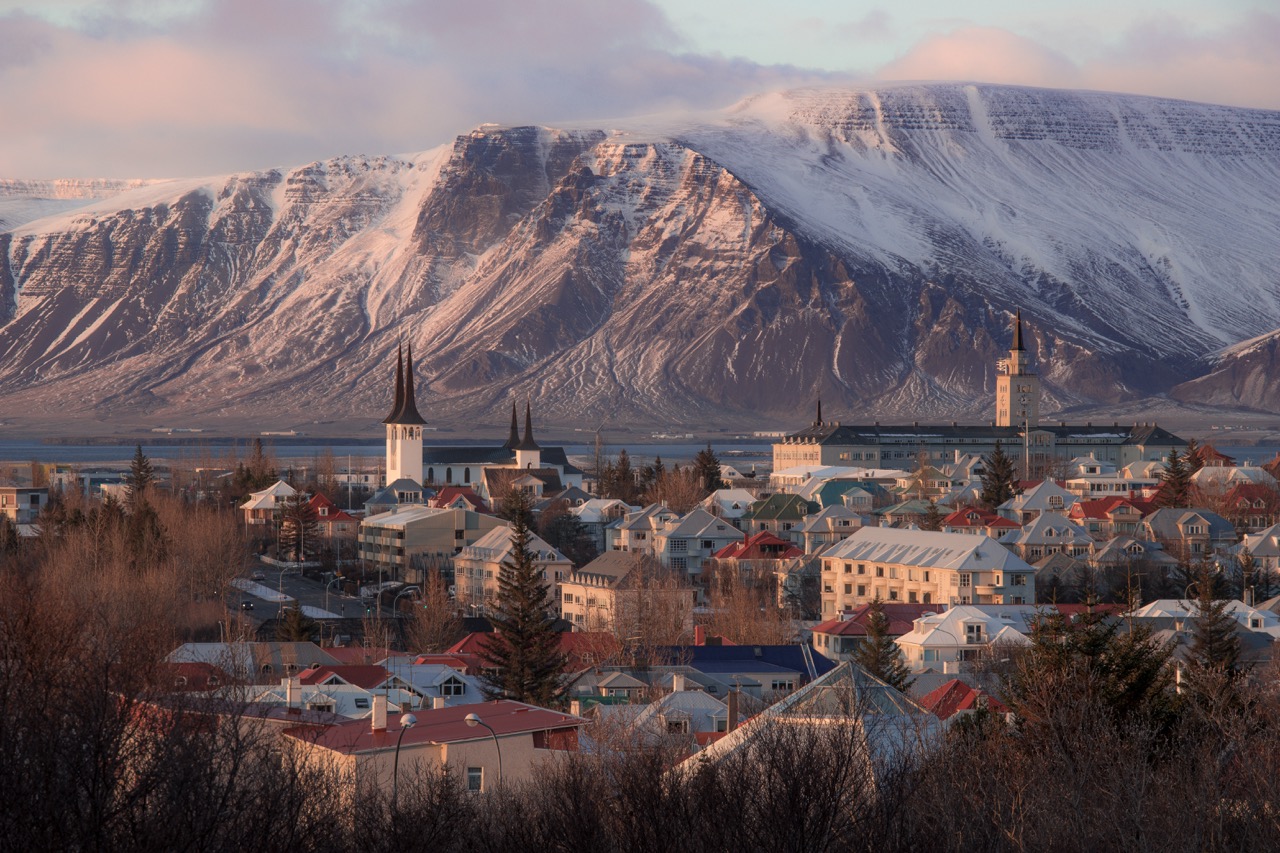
(922, 567)
(391, 541)
(477, 567)
(1039, 447)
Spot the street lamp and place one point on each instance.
(407, 722)
(280, 582)
(326, 591)
(474, 720)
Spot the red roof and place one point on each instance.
(367, 677)
(465, 663)
(449, 494)
(193, 675)
(762, 546)
(441, 725)
(581, 648)
(1100, 507)
(1242, 494)
(973, 516)
(956, 696)
(359, 654)
(1210, 456)
(334, 516)
(901, 619)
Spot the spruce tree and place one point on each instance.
(932, 517)
(999, 482)
(140, 477)
(707, 464)
(296, 627)
(524, 649)
(299, 527)
(1175, 483)
(1213, 654)
(879, 655)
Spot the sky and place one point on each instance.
(177, 88)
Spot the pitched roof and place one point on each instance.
(1104, 507)
(439, 725)
(367, 676)
(956, 551)
(854, 623)
(762, 546)
(782, 507)
(956, 696)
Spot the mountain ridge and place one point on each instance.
(865, 245)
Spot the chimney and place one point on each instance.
(291, 686)
(733, 709)
(677, 682)
(379, 716)
(699, 635)
(437, 702)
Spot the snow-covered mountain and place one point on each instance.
(868, 246)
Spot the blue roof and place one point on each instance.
(796, 658)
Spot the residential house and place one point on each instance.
(338, 528)
(476, 567)
(1264, 546)
(832, 524)
(1045, 497)
(1107, 518)
(1125, 552)
(22, 504)
(248, 662)
(729, 504)
(1251, 618)
(1048, 534)
(348, 693)
(264, 507)
(613, 591)
(838, 638)
(459, 497)
(637, 530)
(977, 521)
(1251, 506)
(906, 513)
(596, 514)
(779, 513)
(963, 634)
(513, 745)
(438, 683)
(1189, 534)
(684, 544)
(955, 698)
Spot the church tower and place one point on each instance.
(404, 427)
(1017, 388)
(528, 453)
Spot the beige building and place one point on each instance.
(477, 567)
(617, 589)
(390, 540)
(22, 504)
(922, 567)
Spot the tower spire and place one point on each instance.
(513, 438)
(399, 398)
(527, 442)
(818, 422)
(1017, 333)
(407, 412)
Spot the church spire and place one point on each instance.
(399, 398)
(818, 422)
(1017, 334)
(513, 438)
(527, 442)
(407, 413)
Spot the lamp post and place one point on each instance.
(407, 722)
(474, 720)
(326, 591)
(280, 582)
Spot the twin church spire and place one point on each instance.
(404, 411)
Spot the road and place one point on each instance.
(296, 588)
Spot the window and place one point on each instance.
(848, 568)
(453, 687)
(707, 544)
(879, 571)
(679, 546)
(1018, 580)
(966, 579)
(862, 568)
(926, 577)
(973, 633)
(362, 702)
(677, 727)
(679, 563)
(862, 590)
(779, 686)
(448, 475)
(911, 597)
(475, 778)
(848, 589)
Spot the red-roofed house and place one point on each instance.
(979, 522)
(760, 546)
(336, 525)
(517, 740)
(459, 497)
(1107, 518)
(956, 697)
(193, 676)
(1253, 506)
(369, 677)
(840, 637)
(1211, 457)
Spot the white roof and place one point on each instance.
(1048, 529)
(699, 522)
(1001, 622)
(594, 510)
(960, 552)
(1037, 498)
(405, 515)
(269, 498)
(1179, 608)
(733, 502)
(495, 546)
(1264, 543)
(1229, 476)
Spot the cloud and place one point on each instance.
(1236, 65)
(244, 84)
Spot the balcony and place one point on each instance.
(986, 589)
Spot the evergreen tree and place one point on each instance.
(932, 517)
(299, 527)
(624, 479)
(999, 482)
(1213, 654)
(879, 655)
(295, 626)
(1175, 483)
(1193, 457)
(140, 477)
(9, 541)
(524, 648)
(707, 464)
(566, 533)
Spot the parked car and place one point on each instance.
(257, 576)
(246, 605)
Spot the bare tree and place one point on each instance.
(435, 624)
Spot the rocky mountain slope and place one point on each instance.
(868, 246)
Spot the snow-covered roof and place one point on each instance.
(961, 552)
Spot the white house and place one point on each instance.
(943, 641)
